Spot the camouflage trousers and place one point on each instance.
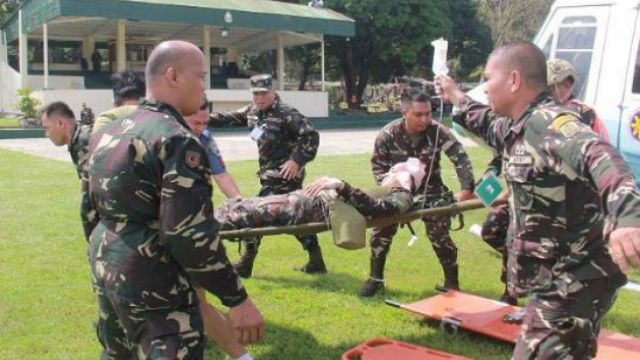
(494, 233)
(437, 229)
(566, 328)
(273, 186)
(128, 332)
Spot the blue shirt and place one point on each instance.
(213, 153)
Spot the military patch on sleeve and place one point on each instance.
(635, 125)
(192, 158)
(567, 125)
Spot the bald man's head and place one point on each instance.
(175, 75)
(168, 54)
(527, 59)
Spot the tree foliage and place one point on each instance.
(27, 104)
(512, 20)
(7, 7)
(392, 39)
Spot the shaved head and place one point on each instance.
(175, 75)
(525, 58)
(168, 54)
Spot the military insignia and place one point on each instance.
(566, 125)
(635, 125)
(192, 158)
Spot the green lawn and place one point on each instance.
(47, 308)
(9, 122)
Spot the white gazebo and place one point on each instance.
(123, 32)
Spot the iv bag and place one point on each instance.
(439, 66)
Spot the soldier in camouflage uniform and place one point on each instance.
(128, 87)
(61, 128)
(415, 135)
(157, 238)
(286, 141)
(313, 203)
(561, 79)
(86, 115)
(564, 181)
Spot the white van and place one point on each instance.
(600, 38)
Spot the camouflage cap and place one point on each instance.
(263, 82)
(558, 70)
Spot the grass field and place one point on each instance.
(47, 308)
(9, 122)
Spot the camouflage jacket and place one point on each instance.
(108, 116)
(394, 145)
(79, 150)
(149, 180)
(563, 180)
(287, 134)
(79, 146)
(298, 208)
(588, 116)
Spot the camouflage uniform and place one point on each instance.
(495, 227)
(86, 116)
(298, 208)
(79, 150)
(563, 181)
(287, 135)
(394, 145)
(157, 238)
(108, 116)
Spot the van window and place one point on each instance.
(576, 38)
(635, 87)
(547, 47)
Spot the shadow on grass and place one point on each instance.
(336, 282)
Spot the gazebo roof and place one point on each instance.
(251, 23)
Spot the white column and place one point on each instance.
(322, 61)
(121, 48)
(206, 48)
(45, 54)
(3, 60)
(280, 62)
(88, 46)
(23, 53)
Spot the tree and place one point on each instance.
(512, 20)
(470, 42)
(27, 104)
(392, 39)
(7, 7)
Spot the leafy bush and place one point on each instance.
(27, 105)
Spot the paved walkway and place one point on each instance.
(234, 146)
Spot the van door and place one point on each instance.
(629, 122)
(577, 34)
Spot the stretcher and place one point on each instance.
(314, 228)
(386, 349)
(457, 310)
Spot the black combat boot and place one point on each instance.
(315, 264)
(375, 282)
(244, 265)
(451, 277)
(506, 298)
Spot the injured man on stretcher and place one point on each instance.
(316, 201)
